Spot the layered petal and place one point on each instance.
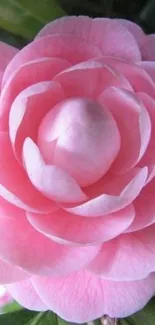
(111, 194)
(73, 229)
(7, 52)
(87, 139)
(148, 48)
(88, 297)
(43, 69)
(24, 293)
(149, 157)
(138, 247)
(66, 47)
(90, 79)
(15, 186)
(35, 100)
(134, 29)
(111, 37)
(23, 246)
(11, 273)
(144, 208)
(128, 112)
(50, 180)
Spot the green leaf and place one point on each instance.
(11, 307)
(27, 17)
(144, 317)
(27, 317)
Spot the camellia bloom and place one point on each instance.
(77, 169)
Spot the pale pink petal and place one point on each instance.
(25, 294)
(25, 247)
(66, 227)
(134, 29)
(149, 67)
(111, 194)
(111, 37)
(82, 297)
(148, 48)
(15, 186)
(145, 208)
(30, 73)
(112, 262)
(90, 79)
(88, 139)
(149, 157)
(7, 52)
(129, 112)
(136, 75)
(11, 273)
(28, 109)
(65, 47)
(50, 180)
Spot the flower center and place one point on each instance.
(81, 137)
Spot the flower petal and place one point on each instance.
(15, 186)
(138, 248)
(134, 29)
(28, 109)
(111, 37)
(24, 293)
(90, 79)
(149, 157)
(128, 112)
(64, 47)
(111, 194)
(148, 48)
(11, 273)
(50, 180)
(30, 73)
(66, 227)
(7, 52)
(145, 208)
(87, 139)
(88, 297)
(25, 247)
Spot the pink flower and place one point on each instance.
(77, 169)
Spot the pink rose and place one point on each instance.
(77, 169)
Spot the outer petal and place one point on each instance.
(11, 273)
(66, 227)
(28, 109)
(50, 180)
(24, 293)
(148, 48)
(25, 247)
(30, 73)
(7, 52)
(111, 37)
(149, 67)
(65, 47)
(15, 186)
(138, 248)
(128, 112)
(111, 194)
(82, 297)
(145, 208)
(149, 157)
(134, 29)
